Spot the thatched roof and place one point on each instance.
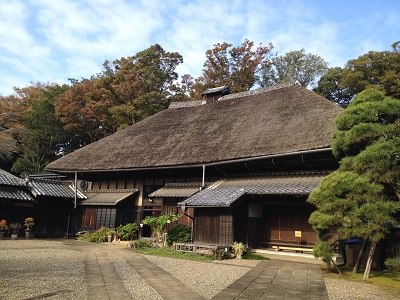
(244, 125)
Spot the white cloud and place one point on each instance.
(47, 40)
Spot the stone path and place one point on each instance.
(278, 280)
(71, 269)
(272, 279)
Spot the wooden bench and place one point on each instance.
(296, 249)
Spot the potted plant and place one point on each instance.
(15, 227)
(28, 223)
(238, 248)
(3, 227)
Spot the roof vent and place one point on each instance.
(213, 94)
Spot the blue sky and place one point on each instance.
(51, 41)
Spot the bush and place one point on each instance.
(180, 233)
(127, 231)
(323, 250)
(393, 264)
(142, 243)
(98, 236)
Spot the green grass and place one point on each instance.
(252, 256)
(169, 252)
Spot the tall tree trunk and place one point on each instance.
(357, 266)
(369, 261)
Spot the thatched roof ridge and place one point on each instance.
(279, 121)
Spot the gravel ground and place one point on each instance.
(136, 286)
(48, 269)
(30, 268)
(209, 278)
(343, 290)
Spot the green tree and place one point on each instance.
(143, 84)
(361, 198)
(157, 224)
(43, 136)
(12, 111)
(330, 87)
(306, 68)
(380, 70)
(374, 70)
(236, 67)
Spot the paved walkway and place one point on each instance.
(278, 280)
(272, 279)
(103, 281)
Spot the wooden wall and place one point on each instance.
(51, 216)
(281, 222)
(213, 226)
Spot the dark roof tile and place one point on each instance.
(225, 192)
(52, 188)
(9, 179)
(15, 193)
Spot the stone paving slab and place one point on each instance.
(269, 279)
(278, 280)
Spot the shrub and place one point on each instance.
(127, 231)
(393, 264)
(15, 227)
(220, 254)
(98, 236)
(142, 243)
(180, 233)
(323, 249)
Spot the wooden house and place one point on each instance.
(54, 200)
(239, 165)
(16, 200)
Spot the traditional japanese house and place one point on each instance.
(239, 165)
(16, 200)
(54, 200)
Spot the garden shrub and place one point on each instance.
(180, 233)
(142, 243)
(393, 264)
(98, 236)
(323, 250)
(127, 231)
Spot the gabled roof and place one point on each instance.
(225, 192)
(219, 89)
(107, 197)
(14, 188)
(15, 193)
(9, 179)
(53, 188)
(248, 125)
(177, 190)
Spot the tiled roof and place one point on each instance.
(52, 188)
(106, 197)
(225, 192)
(215, 90)
(177, 190)
(15, 193)
(9, 179)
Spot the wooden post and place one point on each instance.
(297, 235)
